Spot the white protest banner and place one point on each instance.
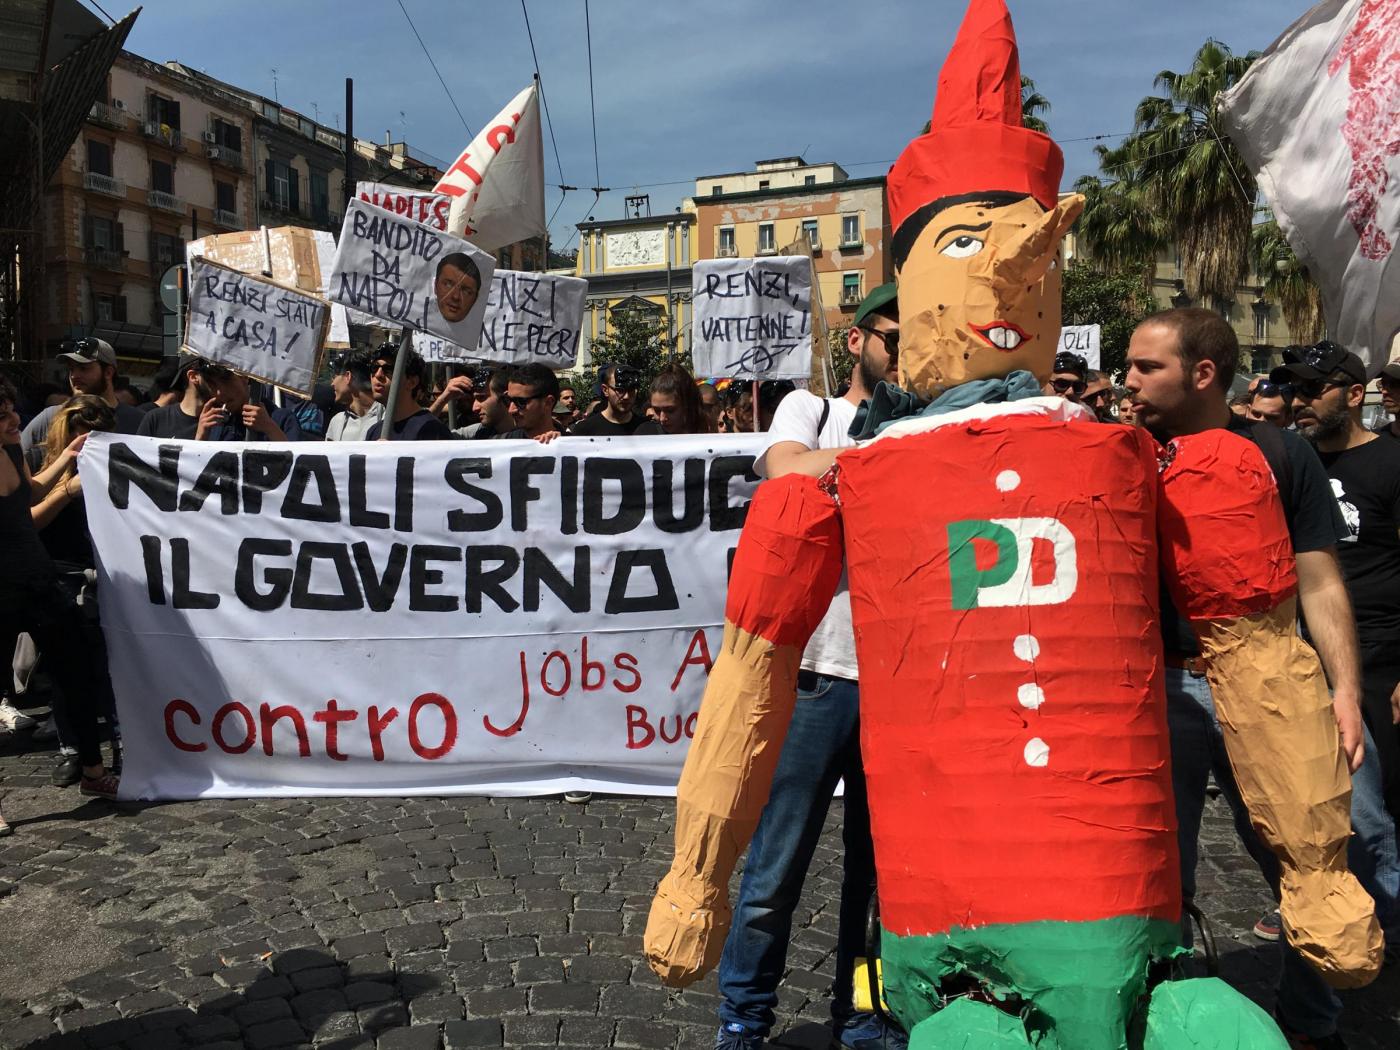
(429, 208)
(353, 619)
(256, 326)
(529, 317)
(410, 274)
(1082, 339)
(497, 184)
(752, 318)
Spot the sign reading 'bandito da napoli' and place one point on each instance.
(351, 619)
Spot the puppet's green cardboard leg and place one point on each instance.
(1207, 1014)
(967, 1025)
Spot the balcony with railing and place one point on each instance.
(850, 297)
(154, 129)
(165, 201)
(230, 220)
(107, 116)
(105, 258)
(103, 184)
(225, 155)
(727, 251)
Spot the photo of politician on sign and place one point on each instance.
(409, 273)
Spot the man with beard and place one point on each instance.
(618, 417)
(92, 369)
(823, 741)
(1329, 385)
(1098, 395)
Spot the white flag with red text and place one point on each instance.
(497, 184)
(1317, 118)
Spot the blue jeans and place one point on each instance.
(1306, 1004)
(822, 746)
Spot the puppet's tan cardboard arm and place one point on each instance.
(785, 572)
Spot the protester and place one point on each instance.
(92, 369)
(412, 422)
(531, 392)
(1098, 395)
(1329, 383)
(1180, 365)
(771, 393)
(1271, 402)
(675, 401)
(566, 412)
(711, 407)
(1389, 384)
(1068, 376)
(489, 405)
(354, 393)
(741, 410)
(1125, 406)
(618, 418)
(822, 745)
(31, 599)
(164, 385)
(126, 394)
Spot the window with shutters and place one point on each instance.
(108, 307)
(162, 176)
(320, 188)
(103, 233)
(765, 237)
(166, 251)
(162, 110)
(99, 157)
(282, 185)
(225, 196)
(228, 135)
(850, 229)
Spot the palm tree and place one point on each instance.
(1190, 174)
(1033, 103)
(1120, 228)
(1286, 282)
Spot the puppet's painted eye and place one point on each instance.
(962, 248)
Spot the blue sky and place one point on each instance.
(687, 89)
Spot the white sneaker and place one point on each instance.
(47, 731)
(12, 718)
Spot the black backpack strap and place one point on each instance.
(1270, 441)
(826, 413)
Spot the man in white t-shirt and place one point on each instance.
(822, 745)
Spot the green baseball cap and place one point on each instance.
(876, 300)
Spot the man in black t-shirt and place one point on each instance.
(1365, 473)
(617, 419)
(412, 422)
(531, 393)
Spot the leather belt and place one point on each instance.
(1191, 664)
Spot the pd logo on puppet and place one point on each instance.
(1011, 562)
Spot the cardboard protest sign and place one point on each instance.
(752, 317)
(340, 590)
(410, 274)
(263, 329)
(529, 317)
(429, 208)
(1082, 339)
(296, 256)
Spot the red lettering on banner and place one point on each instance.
(690, 721)
(628, 663)
(269, 716)
(590, 666)
(232, 707)
(377, 725)
(641, 733)
(544, 674)
(331, 717)
(691, 660)
(466, 169)
(666, 738)
(514, 727)
(637, 719)
(500, 132)
(187, 709)
(449, 726)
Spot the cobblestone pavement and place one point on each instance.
(411, 923)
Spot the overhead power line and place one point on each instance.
(435, 70)
(597, 187)
(543, 101)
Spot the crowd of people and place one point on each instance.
(1339, 482)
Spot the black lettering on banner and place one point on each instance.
(521, 491)
(575, 594)
(632, 486)
(303, 597)
(160, 484)
(181, 595)
(568, 495)
(421, 577)
(380, 589)
(279, 580)
(305, 470)
(663, 495)
(155, 574)
(220, 475)
(262, 472)
(482, 582)
(491, 513)
(403, 494)
(652, 558)
(360, 514)
(725, 517)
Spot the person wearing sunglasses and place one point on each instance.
(1180, 366)
(1099, 395)
(618, 417)
(1389, 383)
(532, 391)
(1068, 377)
(1271, 403)
(412, 422)
(1365, 474)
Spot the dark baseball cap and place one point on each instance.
(1392, 371)
(86, 351)
(1066, 361)
(876, 301)
(1319, 361)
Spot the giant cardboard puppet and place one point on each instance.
(1003, 554)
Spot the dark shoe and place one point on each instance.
(104, 786)
(734, 1036)
(66, 772)
(1269, 927)
(867, 1031)
(1313, 1042)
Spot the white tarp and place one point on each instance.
(752, 318)
(255, 326)
(348, 618)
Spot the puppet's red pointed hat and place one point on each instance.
(976, 142)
